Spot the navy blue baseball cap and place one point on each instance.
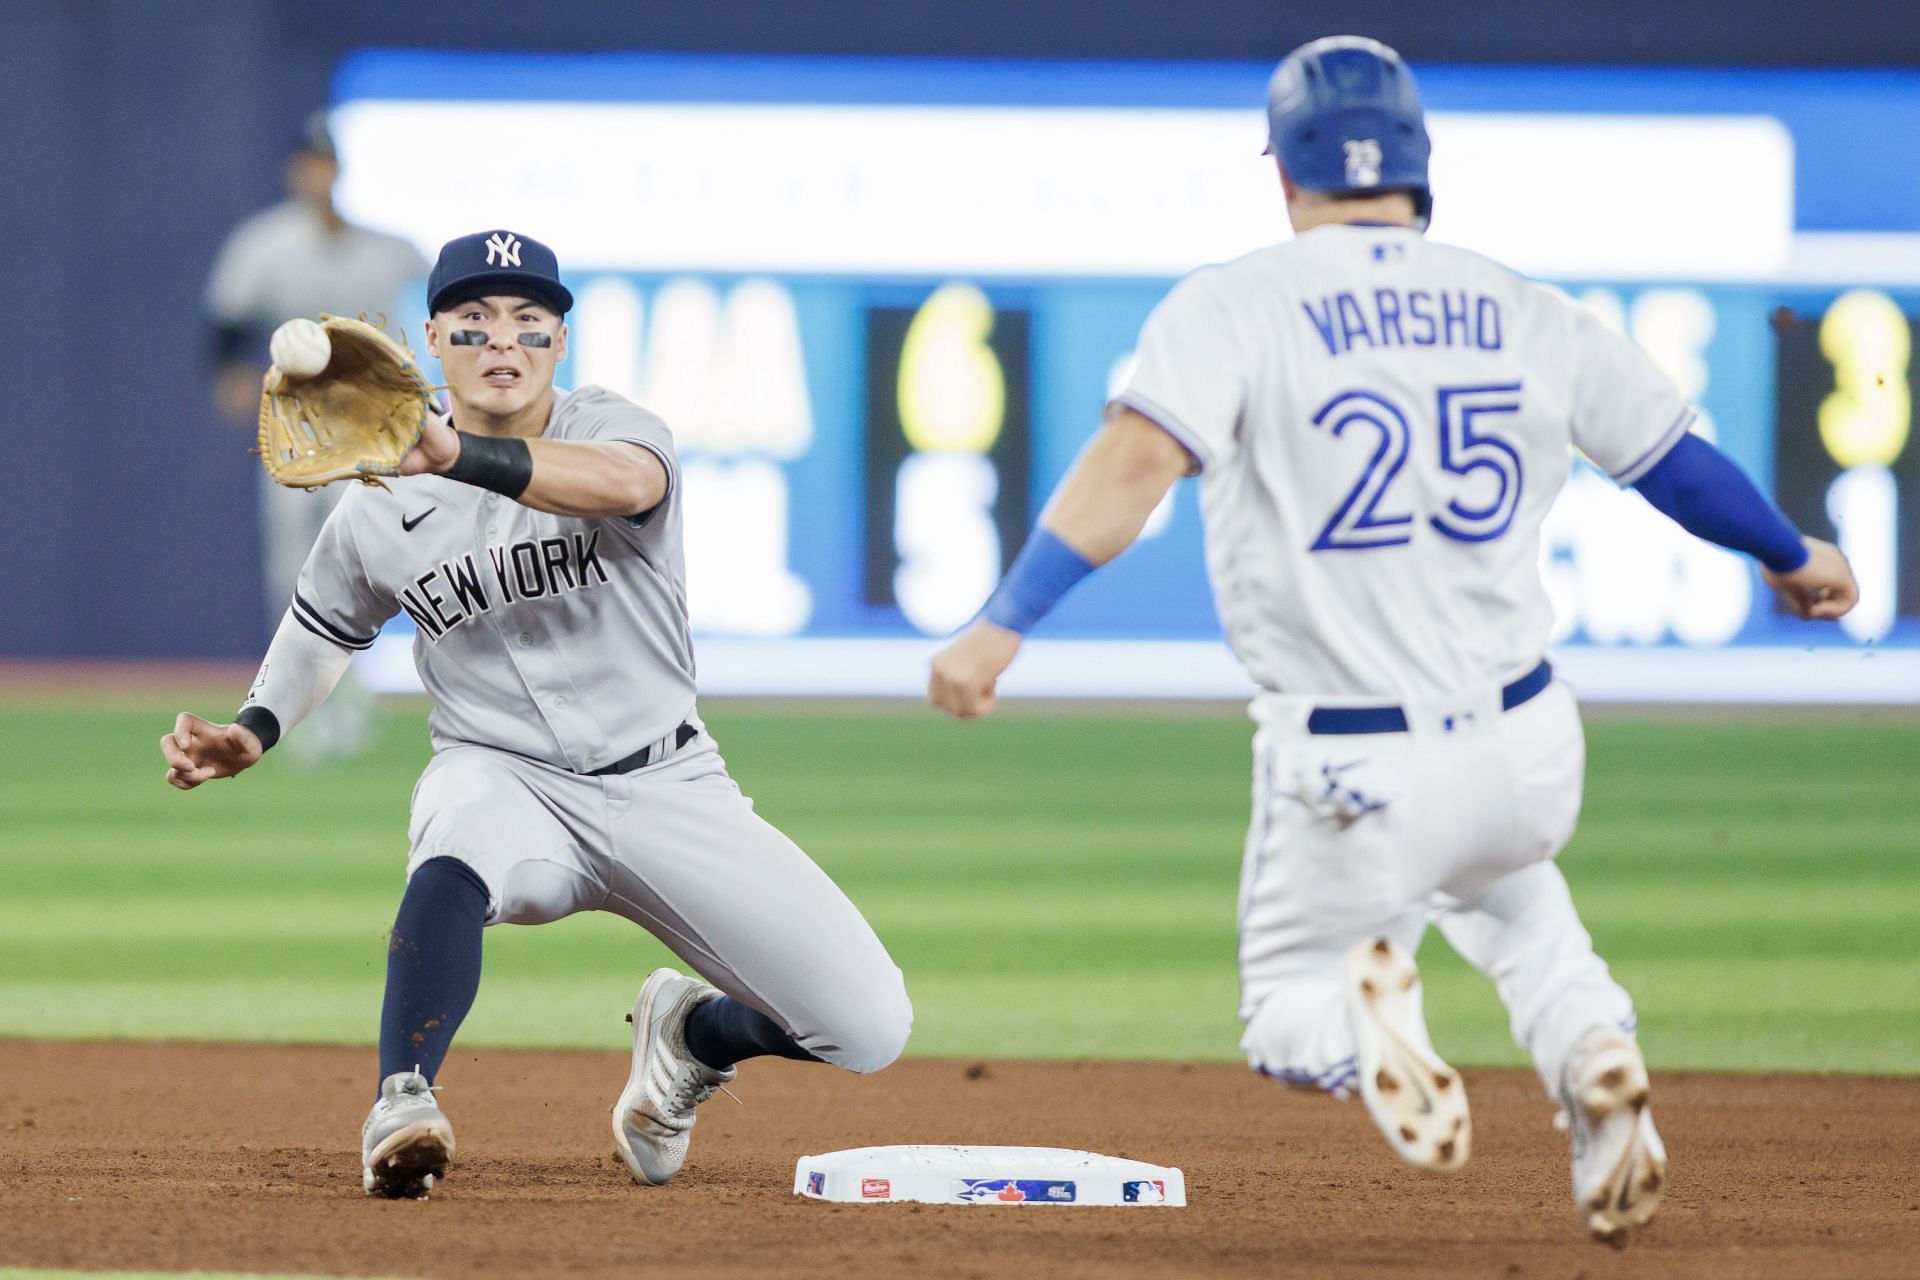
(489, 262)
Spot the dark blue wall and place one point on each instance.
(135, 133)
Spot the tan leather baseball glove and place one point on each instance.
(354, 420)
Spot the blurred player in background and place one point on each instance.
(299, 258)
(1381, 424)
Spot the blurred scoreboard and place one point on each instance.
(883, 303)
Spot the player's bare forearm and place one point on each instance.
(587, 478)
(594, 478)
(1105, 499)
(1095, 514)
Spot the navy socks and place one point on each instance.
(433, 974)
(724, 1031)
(433, 966)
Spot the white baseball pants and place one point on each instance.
(1456, 822)
(676, 849)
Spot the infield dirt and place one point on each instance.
(245, 1158)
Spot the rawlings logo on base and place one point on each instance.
(875, 1189)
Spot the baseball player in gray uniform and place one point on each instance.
(535, 540)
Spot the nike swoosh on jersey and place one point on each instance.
(407, 526)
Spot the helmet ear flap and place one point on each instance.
(1422, 207)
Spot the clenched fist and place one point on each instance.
(199, 750)
(965, 671)
(1823, 587)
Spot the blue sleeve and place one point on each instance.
(1701, 490)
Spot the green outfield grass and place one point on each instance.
(1052, 884)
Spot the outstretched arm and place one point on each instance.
(1702, 491)
(300, 670)
(587, 478)
(1095, 514)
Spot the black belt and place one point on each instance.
(645, 756)
(1394, 720)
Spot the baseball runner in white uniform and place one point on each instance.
(1381, 424)
(538, 550)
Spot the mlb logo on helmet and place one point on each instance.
(876, 1188)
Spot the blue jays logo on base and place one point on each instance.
(816, 1183)
(1149, 1191)
(1012, 1191)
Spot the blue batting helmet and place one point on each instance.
(1343, 115)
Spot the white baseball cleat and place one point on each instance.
(653, 1120)
(407, 1140)
(1417, 1101)
(1619, 1162)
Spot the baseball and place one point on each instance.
(300, 348)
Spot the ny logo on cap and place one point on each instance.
(1363, 163)
(503, 245)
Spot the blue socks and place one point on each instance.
(433, 966)
(722, 1032)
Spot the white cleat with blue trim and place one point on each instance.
(1619, 1162)
(1416, 1100)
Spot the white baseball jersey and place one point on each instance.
(557, 638)
(1382, 423)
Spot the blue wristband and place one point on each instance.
(1043, 572)
(1701, 490)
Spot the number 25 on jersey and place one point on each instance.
(1369, 516)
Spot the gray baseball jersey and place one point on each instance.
(554, 646)
(283, 262)
(561, 639)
